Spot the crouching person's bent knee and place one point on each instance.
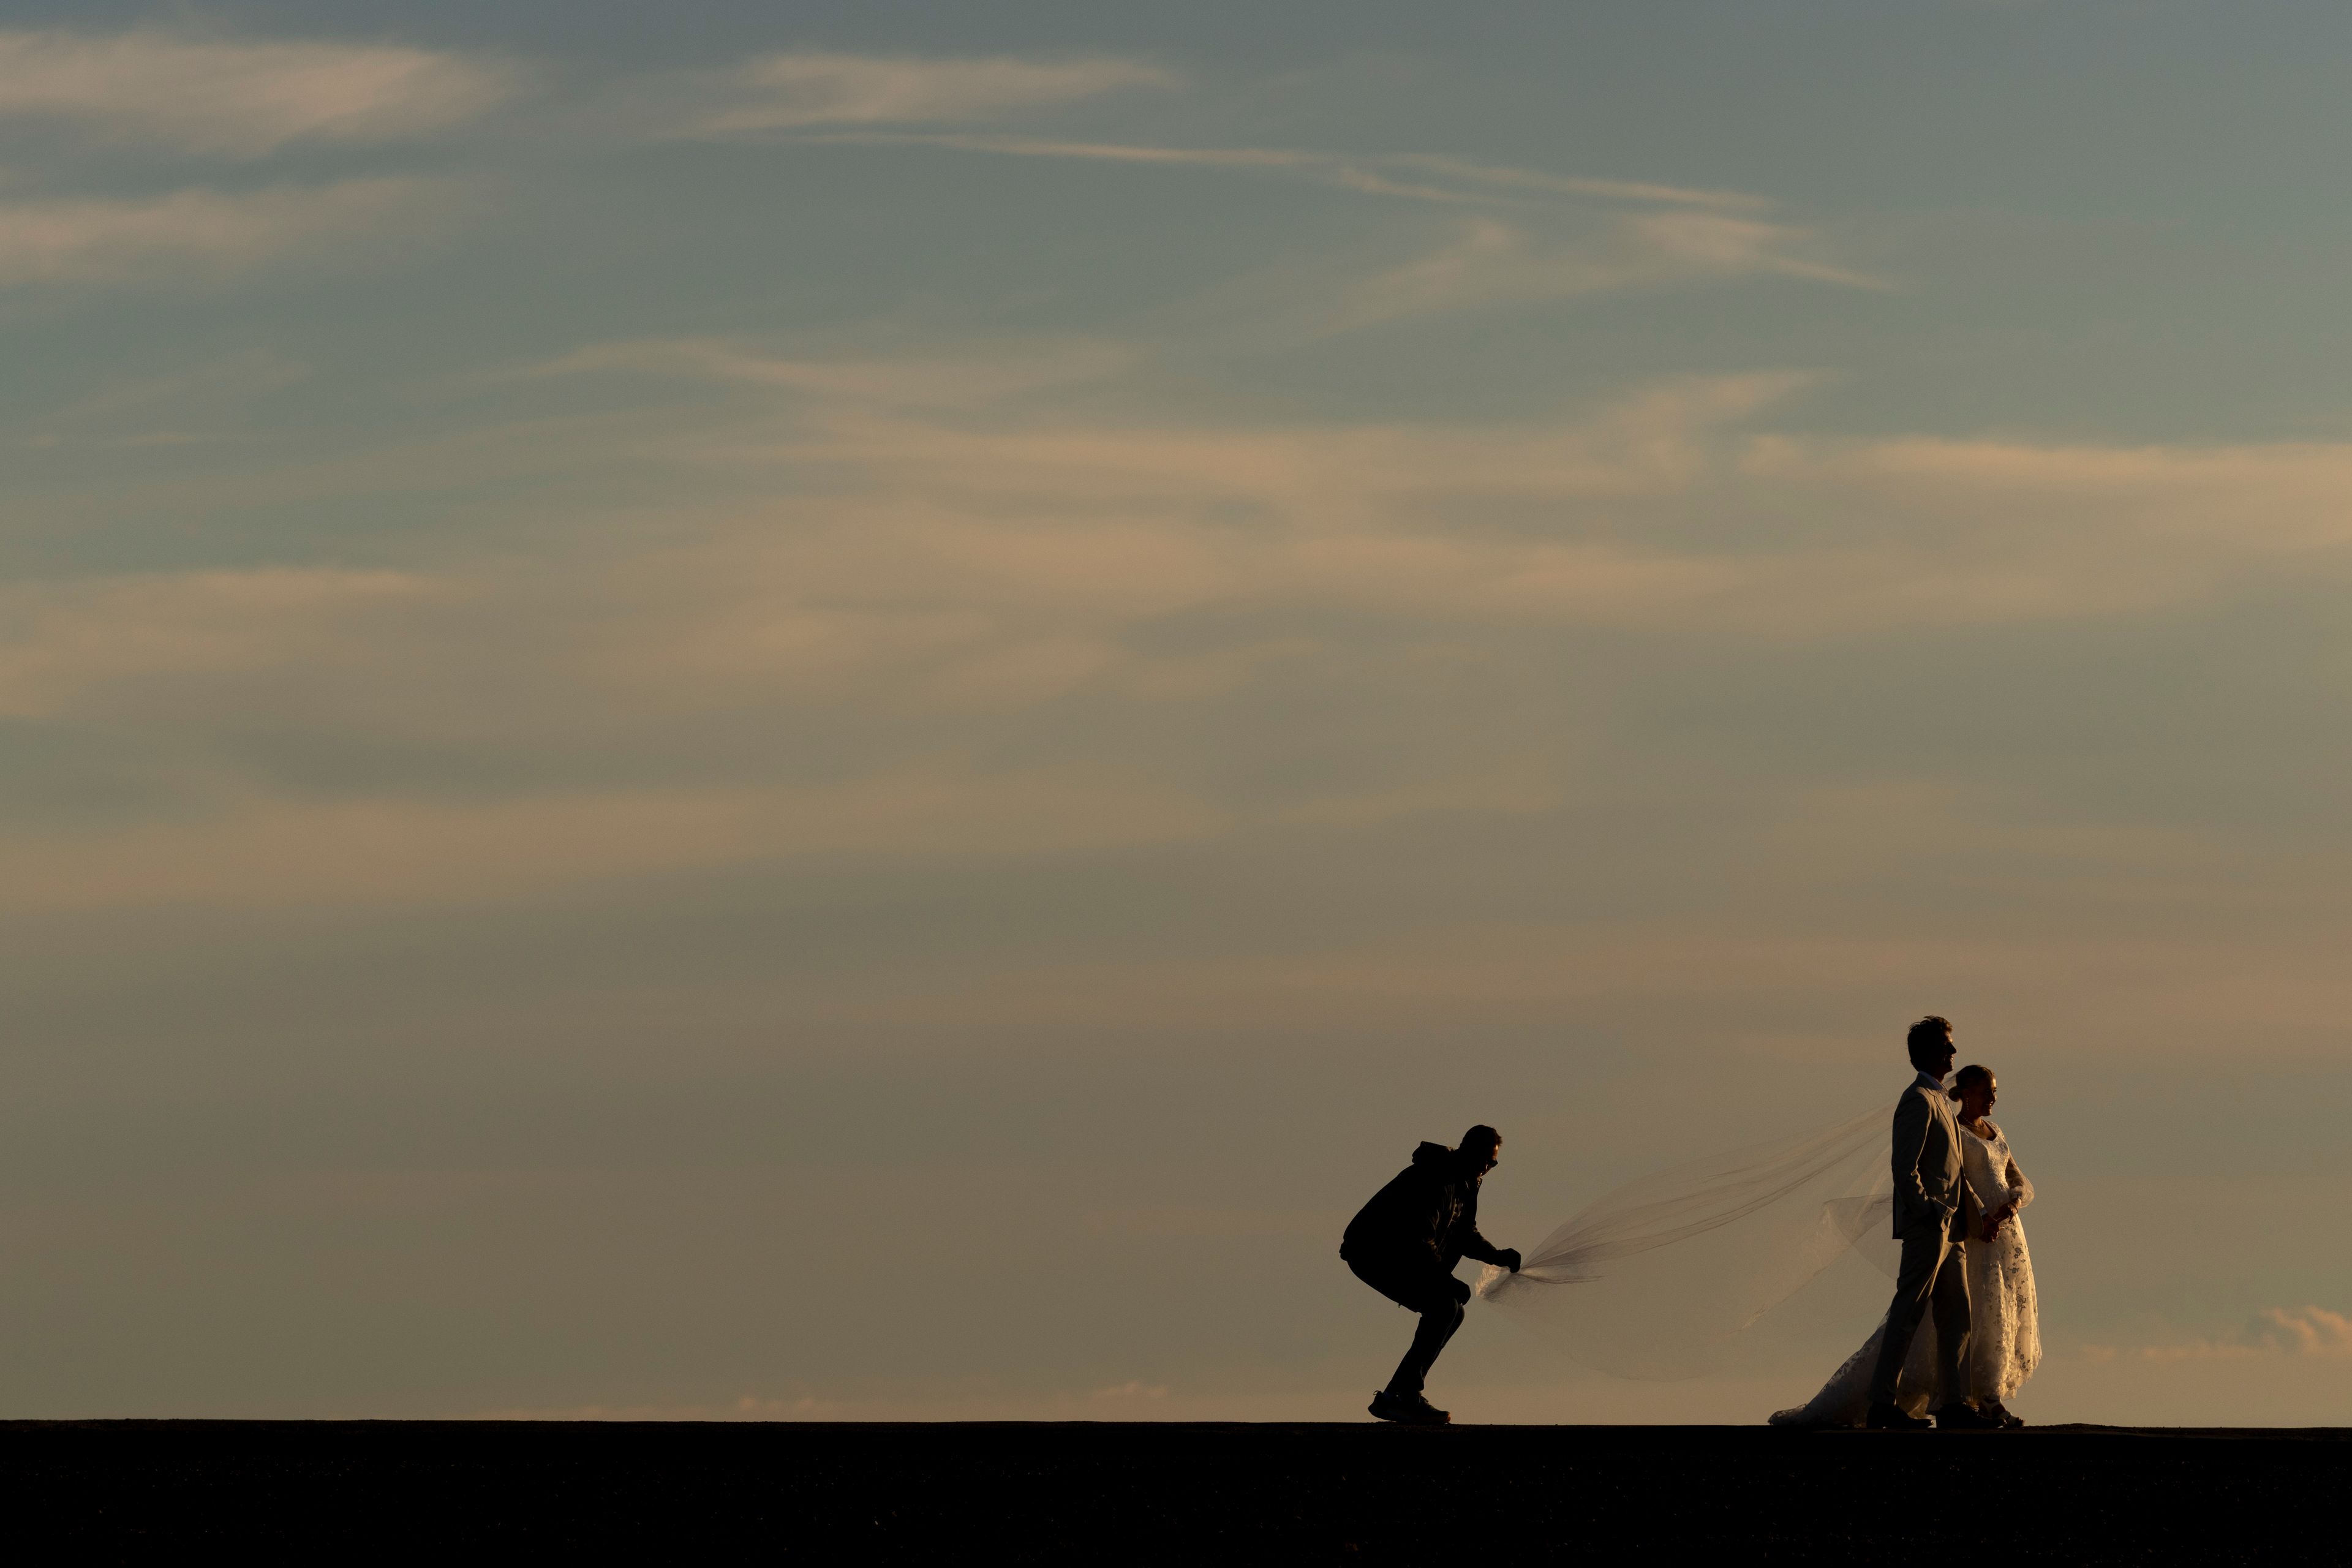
(1418, 1290)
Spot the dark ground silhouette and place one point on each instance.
(1190, 1493)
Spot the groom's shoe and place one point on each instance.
(1891, 1418)
(1408, 1410)
(1958, 1417)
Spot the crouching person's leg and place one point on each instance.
(1431, 1294)
(1439, 1319)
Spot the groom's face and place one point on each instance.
(1938, 1060)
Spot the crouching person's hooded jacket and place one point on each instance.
(1427, 1216)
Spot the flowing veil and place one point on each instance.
(1658, 1278)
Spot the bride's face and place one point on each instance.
(1977, 1098)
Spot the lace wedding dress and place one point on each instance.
(2004, 1318)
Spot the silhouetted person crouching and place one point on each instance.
(1405, 1243)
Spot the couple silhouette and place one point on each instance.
(1951, 1218)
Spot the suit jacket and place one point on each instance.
(1927, 1180)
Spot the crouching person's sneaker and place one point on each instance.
(1408, 1410)
(1892, 1418)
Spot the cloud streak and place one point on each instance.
(203, 234)
(181, 408)
(1432, 177)
(240, 99)
(1489, 264)
(914, 546)
(957, 380)
(62, 642)
(251, 850)
(789, 91)
(2276, 1332)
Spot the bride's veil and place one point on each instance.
(1658, 1278)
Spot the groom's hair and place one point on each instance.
(1927, 1035)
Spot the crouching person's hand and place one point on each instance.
(1460, 1289)
(1509, 1258)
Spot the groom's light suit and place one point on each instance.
(1931, 1223)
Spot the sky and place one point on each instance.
(779, 712)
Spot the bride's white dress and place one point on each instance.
(2004, 1318)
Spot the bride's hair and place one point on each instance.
(1969, 1076)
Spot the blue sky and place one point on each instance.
(854, 710)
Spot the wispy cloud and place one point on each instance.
(62, 641)
(1450, 973)
(1715, 243)
(240, 97)
(1486, 262)
(1491, 263)
(1624, 235)
(2308, 1331)
(2275, 1332)
(203, 234)
(254, 850)
(206, 403)
(966, 378)
(784, 91)
(1504, 177)
(944, 538)
(1417, 176)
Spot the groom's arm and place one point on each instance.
(1911, 1119)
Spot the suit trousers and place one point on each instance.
(1934, 1276)
(1423, 1287)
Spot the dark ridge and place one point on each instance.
(1109, 1493)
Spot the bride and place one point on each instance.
(2004, 1321)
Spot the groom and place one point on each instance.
(1404, 1244)
(1930, 1223)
